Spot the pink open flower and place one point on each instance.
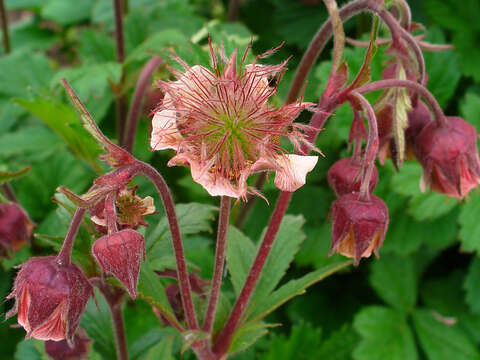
(220, 124)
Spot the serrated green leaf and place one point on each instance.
(162, 350)
(284, 248)
(30, 350)
(472, 286)
(385, 335)
(430, 206)
(469, 224)
(63, 120)
(151, 290)
(32, 142)
(240, 254)
(470, 109)
(294, 288)
(96, 47)
(339, 346)
(247, 335)
(394, 280)
(441, 341)
(303, 339)
(67, 12)
(406, 181)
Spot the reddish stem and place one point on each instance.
(184, 284)
(372, 145)
(224, 338)
(5, 32)
(114, 298)
(223, 221)
(111, 213)
(65, 255)
(233, 10)
(120, 100)
(411, 85)
(135, 107)
(9, 193)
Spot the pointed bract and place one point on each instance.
(50, 298)
(121, 254)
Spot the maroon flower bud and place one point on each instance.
(418, 118)
(15, 227)
(50, 298)
(358, 225)
(61, 350)
(449, 157)
(343, 177)
(121, 254)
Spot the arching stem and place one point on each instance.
(65, 254)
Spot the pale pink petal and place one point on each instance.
(292, 171)
(214, 184)
(165, 134)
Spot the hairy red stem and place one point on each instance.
(183, 281)
(65, 254)
(5, 32)
(135, 107)
(221, 246)
(411, 85)
(224, 338)
(120, 100)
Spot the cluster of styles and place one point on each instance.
(220, 124)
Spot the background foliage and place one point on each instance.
(420, 300)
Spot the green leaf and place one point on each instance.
(443, 68)
(240, 254)
(192, 218)
(469, 224)
(394, 280)
(286, 244)
(96, 47)
(385, 335)
(162, 350)
(31, 141)
(63, 120)
(339, 346)
(97, 323)
(32, 74)
(441, 341)
(30, 350)
(470, 109)
(294, 288)
(92, 84)
(472, 286)
(67, 12)
(303, 339)
(430, 206)
(247, 335)
(151, 290)
(11, 175)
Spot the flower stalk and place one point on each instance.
(5, 31)
(221, 246)
(135, 107)
(65, 255)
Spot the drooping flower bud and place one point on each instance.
(449, 157)
(61, 350)
(15, 227)
(343, 177)
(358, 225)
(121, 254)
(50, 298)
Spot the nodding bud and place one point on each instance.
(50, 298)
(121, 254)
(358, 225)
(61, 350)
(15, 227)
(449, 157)
(344, 177)
(418, 118)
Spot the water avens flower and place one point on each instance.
(220, 124)
(344, 176)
